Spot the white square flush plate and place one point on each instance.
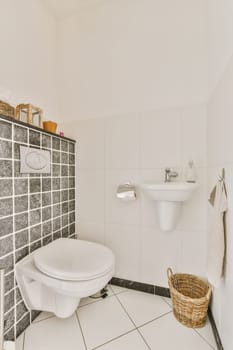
(33, 160)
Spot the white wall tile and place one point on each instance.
(194, 135)
(122, 142)
(220, 121)
(90, 195)
(161, 139)
(124, 240)
(193, 213)
(119, 211)
(91, 231)
(91, 144)
(160, 250)
(137, 149)
(194, 248)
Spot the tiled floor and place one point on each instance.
(126, 320)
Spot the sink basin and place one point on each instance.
(168, 197)
(170, 191)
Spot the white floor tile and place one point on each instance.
(130, 341)
(118, 289)
(103, 321)
(143, 307)
(54, 334)
(106, 326)
(86, 301)
(207, 333)
(19, 342)
(166, 333)
(168, 301)
(43, 316)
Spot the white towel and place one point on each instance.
(216, 248)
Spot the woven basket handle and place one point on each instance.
(169, 272)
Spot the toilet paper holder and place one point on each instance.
(126, 192)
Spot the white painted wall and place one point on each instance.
(220, 145)
(130, 56)
(219, 39)
(28, 42)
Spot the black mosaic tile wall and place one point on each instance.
(34, 209)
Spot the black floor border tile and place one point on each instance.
(142, 287)
(215, 330)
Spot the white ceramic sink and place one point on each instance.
(170, 191)
(168, 197)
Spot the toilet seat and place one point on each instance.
(74, 260)
(55, 277)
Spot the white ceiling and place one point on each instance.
(61, 9)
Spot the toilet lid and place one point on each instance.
(74, 260)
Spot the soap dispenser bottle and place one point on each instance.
(190, 175)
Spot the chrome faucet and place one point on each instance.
(169, 174)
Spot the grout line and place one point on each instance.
(78, 320)
(8, 330)
(134, 323)
(202, 337)
(144, 339)
(32, 226)
(35, 209)
(44, 319)
(165, 299)
(126, 311)
(113, 339)
(66, 183)
(154, 319)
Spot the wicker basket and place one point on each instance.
(7, 110)
(190, 298)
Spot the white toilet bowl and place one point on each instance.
(56, 276)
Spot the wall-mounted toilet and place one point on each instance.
(55, 277)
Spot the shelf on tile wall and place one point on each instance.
(15, 121)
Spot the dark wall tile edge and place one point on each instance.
(163, 292)
(142, 287)
(12, 120)
(215, 330)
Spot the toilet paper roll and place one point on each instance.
(126, 192)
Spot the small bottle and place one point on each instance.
(190, 175)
